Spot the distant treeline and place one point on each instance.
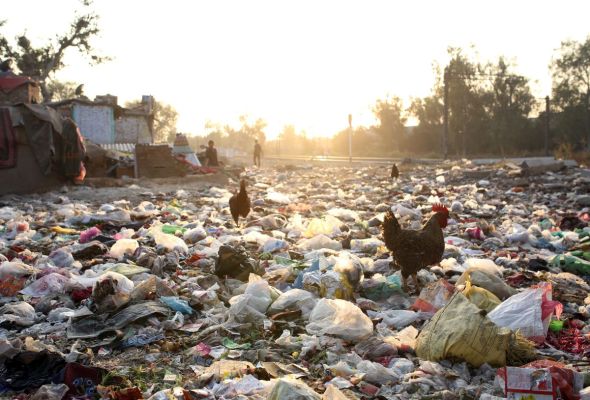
(490, 108)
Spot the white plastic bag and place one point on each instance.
(528, 312)
(291, 389)
(377, 373)
(369, 245)
(344, 214)
(395, 318)
(16, 269)
(123, 247)
(294, 299)
(195, 235)
(252, 305)
(320, 242)
(339, 318)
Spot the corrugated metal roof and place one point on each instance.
(122, 147)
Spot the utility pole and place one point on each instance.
(350, 138)
(445, 138)
(547, 120)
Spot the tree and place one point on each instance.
(467, 116)
(61, 90)
(509, 102)
(389, 113)
(165, 117)
(427, 136)
(571, 84)
(42, 62)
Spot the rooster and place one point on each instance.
(413, 250)
(394, 172)
(239, 203)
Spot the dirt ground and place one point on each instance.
(105, 190)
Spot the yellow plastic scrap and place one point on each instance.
(482, 298)
(63, 231)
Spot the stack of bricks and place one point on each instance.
(156, 161)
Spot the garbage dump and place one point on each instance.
(319, 293)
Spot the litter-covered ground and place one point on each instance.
(139, 293)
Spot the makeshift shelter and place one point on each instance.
(16, 89)
(38, 149)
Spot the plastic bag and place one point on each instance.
(334, 285)
(434, 296)
(62, 258)
(333, 393)
(20, 313)
(344, 214)
(368, 246)
(49, 284)
(294, 299)
(272, 245)
(252, 305)
(483, 264)
(90, 279)
(339, 318)
(276, 197)
(488, 281)
(483, 299)
(395, 318)
(123, 247)
(177, 304)
(291, 389)
(377, 373)
(460, 331)
(9, 269)
(234, 262)
(380, 288)
(328, 225)
(51, 392)
(89, 234)
(320, 242)
(195, 235)
(528, 312)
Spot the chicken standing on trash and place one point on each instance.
(413, 250)
(394, 172)
(239, 203)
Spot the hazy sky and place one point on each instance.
(306, 63)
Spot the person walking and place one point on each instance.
(257, 153)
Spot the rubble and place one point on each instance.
(158, 294)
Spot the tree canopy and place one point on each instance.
(42, 61)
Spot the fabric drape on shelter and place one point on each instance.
(7, 140)
(40, 137)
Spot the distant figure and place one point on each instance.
(394, 172)
(257, 153)
(6, 67)
(211, 154)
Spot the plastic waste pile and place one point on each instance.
(166, 298)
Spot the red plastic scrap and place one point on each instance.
(11, 286)
(81, 294)
(127, 394)
(570, 340)
(516, 280)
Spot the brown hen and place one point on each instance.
(413, 250)
(239, 203)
